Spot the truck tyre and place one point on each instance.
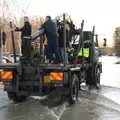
(89, 80)
(97, 77)
(74, 89)
(15, 97)
(93, 77)
(10, 95)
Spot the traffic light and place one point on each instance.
(105, 42)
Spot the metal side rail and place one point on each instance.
(9, 65)
(55, 66)
(60, 67)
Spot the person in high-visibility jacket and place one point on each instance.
(86, 52)
(70, 53)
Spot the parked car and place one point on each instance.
(7, 60)
(11, 56)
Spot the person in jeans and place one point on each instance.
(61, 41)
(50, 29)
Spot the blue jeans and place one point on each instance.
(62, 54)
(53, 48)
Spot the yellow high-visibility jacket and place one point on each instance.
(86, 52)
(71, 51)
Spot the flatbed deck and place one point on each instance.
(47, 66)
(62, 67)
(9, 65)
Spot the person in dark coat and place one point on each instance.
(61, 40)
(25, 31)
(52, 36)
(2, 41)
(2, 37)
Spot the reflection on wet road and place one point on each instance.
(31, 109)
(92, 105)
(28, 110)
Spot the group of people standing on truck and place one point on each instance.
(54, 49)
(55, 37)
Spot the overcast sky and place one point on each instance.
(104, 14)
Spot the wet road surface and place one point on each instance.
(92, 105)
(31, 109)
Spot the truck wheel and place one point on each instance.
(10, 95)
(93, 77)
(97, 77)
(89, 79)
(15, 97)
(74, 89)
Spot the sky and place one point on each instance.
(104, 14)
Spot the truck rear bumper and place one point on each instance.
(19, 93)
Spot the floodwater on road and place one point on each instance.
(93, 106)
(100, 104)
(34, 108)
